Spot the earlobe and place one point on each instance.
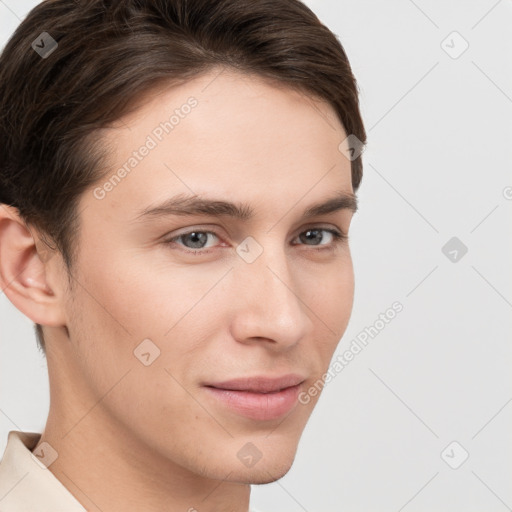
(23, 273)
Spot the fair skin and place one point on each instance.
(152, 438)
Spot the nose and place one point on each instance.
(268, 305)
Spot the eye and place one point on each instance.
(314, 235)
(197, 240)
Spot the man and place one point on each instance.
(178, 180)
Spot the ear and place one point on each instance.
(26, 276)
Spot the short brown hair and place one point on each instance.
(110, 52)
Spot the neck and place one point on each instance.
(107, 471)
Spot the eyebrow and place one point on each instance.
(186, 205)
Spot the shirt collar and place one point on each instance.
(26, 484)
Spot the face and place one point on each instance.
(167, 304)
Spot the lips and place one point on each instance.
(257, 398)
(260, 384)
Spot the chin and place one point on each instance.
(264, 474)
(265, 471)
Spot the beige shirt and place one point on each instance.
(26, 485)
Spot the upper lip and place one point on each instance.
(260, 384)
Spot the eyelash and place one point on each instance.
(338, 236)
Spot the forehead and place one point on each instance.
(224, 134)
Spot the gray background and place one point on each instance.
(437, 166)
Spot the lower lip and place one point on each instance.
(258, 406)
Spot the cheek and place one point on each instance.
(329, 292)
(140, 299)
(123, 304)
(113, 313)
(331, 307)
